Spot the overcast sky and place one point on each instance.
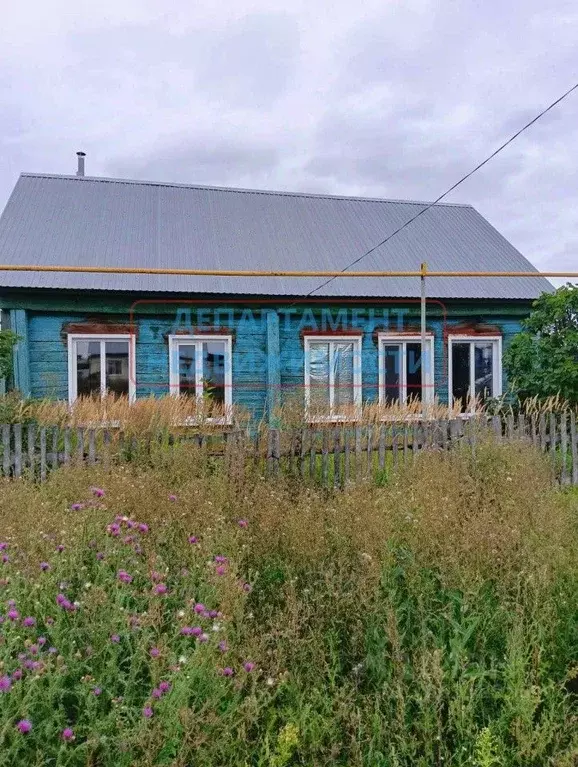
(374, 98)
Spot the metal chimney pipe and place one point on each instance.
(80, 170)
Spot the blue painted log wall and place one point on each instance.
(268, 351)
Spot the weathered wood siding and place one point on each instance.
(268, 344)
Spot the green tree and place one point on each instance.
(542, 360)
(7, 341)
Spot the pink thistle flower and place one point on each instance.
(100, 555)
(24, 726)
(11, 603)
(115, 638)
(156, 576)
(154, 652)
(67, 734)
(213, 613)
(5, 558)
(17, 674)
(128, 539)
(49, 621)
(97, 691)
(247, 588)
(199, 608)
(3, 545)
(5, 683)
(77, 506)
(220, 559)
(13, 614)
(60, 548)
(242, 523)
(41, 641)
(248, 666)
(29, 621)
(138, 549)
(197, 631)
(203, 638)
(147, 712)
(172, 498)
(143, 527)
(220, 570)
(44, 566)
(157, 693)
(123, 576)
(113, 529)
(193, 539)
(164, 687)
(160, 588)
(227, 671)
(98, 492)
(187, 631)
(33, 649)
(223, 646)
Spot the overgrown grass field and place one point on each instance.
(164, 614)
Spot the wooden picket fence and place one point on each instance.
(328, 454)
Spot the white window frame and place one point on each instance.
(496, 365)
(197, 341)
(357, 397)
(391, 339)
(100, 338)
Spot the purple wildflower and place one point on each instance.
(33, 649)
(193, 539)
(98, 492)
(67, 734)
(186, 631)
(29, 621)
(115, 638)
(248, 666)
(227, 671)
(160, 588)
(123, 576)
(3, 545)
(223, 646)
(5, 558)
(113, 529)
(53, 650)
(247, 588)
(49, 621)
(97, 691)
(5, 683)
(11, 603)
(154, 652)
(13, 614)
(147, 712)
(130, 524)
(220, 569)
(60, 548)
(24, 725)
(143, 527)
(138, 549)
(199, 608)
(44, 566)
(17, 674)
(172, 498)
(164, 687)
(157, 693)
(100, 555)
(156, 576)
(197, 631)
(213, 613)
(41, 641)
(76, 506)
(242, 523)
(220, 559)
(203, 638)
(128, 539)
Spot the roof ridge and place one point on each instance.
(276, 193)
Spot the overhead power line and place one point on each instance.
(451, 189)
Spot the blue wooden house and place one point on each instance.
(250, 341)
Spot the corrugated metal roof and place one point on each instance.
(65, 220)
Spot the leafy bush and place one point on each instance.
(7, 341)
(433, 620)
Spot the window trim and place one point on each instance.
(72, 338)
(332, 339)
(385, 339)
(174, 385)
(497, 374)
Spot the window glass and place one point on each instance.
(413, 372)
(392, 370)
(187, 375)
(87, 368)
(319, 374)
(214, 353)
(343, 375)
(116, 367)
(484, 374)
(461, 373)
